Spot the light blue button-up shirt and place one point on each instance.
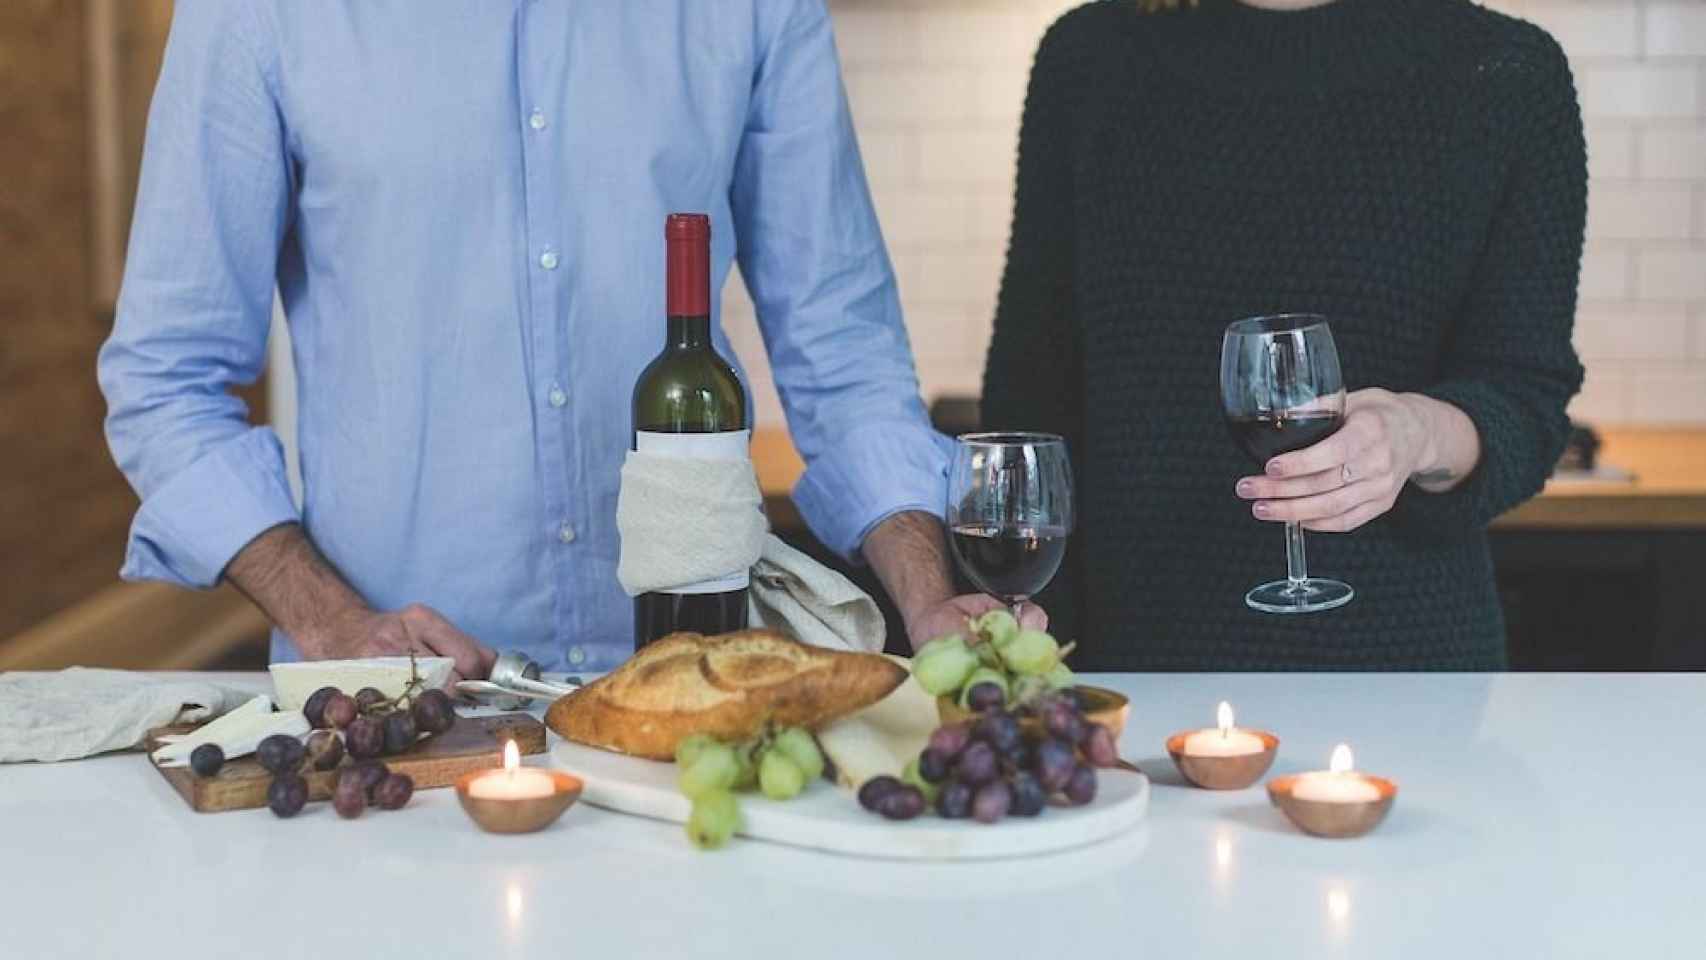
(461, 204)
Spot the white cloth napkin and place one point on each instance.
(685, 521)
(79, 712)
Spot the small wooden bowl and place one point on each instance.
(1106, 707)
(1223, 773)
(518, 816)
(1335, 820)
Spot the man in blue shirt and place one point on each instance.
(460, 205)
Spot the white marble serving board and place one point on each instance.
(827, 817)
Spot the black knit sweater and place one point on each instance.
(1413, 169)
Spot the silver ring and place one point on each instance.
(1345, 473)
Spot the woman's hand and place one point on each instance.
(1356, 474)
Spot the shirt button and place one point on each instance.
(557, 396)
(577, 655)
(548, 259)
(537, 119)
(566, 533)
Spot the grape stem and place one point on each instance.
(411, 690)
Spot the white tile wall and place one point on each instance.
(1676, 28)
(1671, 153)
(937, 86)
(1638, 90)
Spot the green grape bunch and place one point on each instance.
(780, 763)
(995, 663)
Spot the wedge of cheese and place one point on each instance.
(883, 737)
(238, 733)
(292, 683)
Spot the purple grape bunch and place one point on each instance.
(364, 727)
(995, 766)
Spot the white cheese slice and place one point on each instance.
(238, 733)
(883, 737)
(294, 682)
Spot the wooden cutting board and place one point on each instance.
(826, 817)
(475, 743)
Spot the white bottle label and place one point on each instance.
(724, 445)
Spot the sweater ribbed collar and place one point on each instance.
(1234, 47)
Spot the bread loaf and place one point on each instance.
(726, 686)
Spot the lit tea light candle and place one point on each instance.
(516, 799)
(1225, 757)
(1225, 740)
(514, 782)
(1337, 784)
(1336, 802)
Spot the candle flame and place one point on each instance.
(1341, 762)
(1223, 718)
(512, 757)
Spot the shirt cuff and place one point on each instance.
(188, 530)
(869, 475)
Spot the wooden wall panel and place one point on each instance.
(78, 78)
(58, 492)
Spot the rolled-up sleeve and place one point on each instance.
(812, 255)
(193, 312)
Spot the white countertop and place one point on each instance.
(1538, 816)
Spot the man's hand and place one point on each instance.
(910, 555)
(298, 589)
(417, 629)
(950, 616)
(1388, 439)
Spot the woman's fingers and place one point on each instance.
(1351, 519)
(1322, 505)
(1361, 431)
(1372, 463)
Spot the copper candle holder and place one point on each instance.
(1223, 773)
(1336, 820)
(518, 815)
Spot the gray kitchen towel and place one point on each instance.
(687, 520)
(80, 711)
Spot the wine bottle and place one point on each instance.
(689, 402)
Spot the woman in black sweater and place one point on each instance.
(1414, 170)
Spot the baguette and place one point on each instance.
(726, 686)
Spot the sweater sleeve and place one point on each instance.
(1508, 362)
(1032, 378)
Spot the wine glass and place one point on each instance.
(1281, 389)
(1009, 511)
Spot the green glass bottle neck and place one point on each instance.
(689, 333)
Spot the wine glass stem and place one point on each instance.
(1296, 567)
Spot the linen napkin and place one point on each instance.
(688, 520)
(79, 712)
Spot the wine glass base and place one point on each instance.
(1309, 596)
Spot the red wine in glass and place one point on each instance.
(1009, 511)
(1265, 436)
(1009, 562)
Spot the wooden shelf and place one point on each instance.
(1668, 490)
